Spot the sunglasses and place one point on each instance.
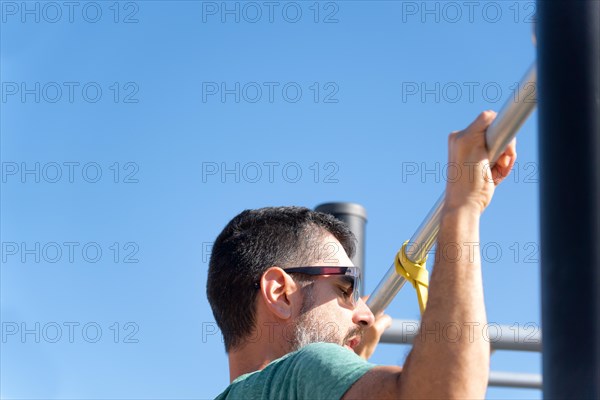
(352, 272)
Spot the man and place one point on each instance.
(282, 289)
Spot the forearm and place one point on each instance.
(450, 357)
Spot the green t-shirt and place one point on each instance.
(316, 371)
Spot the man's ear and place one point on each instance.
(278, 291)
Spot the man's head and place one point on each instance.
(247, 281)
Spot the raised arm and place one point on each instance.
(450, 356)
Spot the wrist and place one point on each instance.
(469, 210)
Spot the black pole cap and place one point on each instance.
(343, 208)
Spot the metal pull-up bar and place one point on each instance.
(504, 128)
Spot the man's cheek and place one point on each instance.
(333, 332)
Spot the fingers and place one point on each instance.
(382, 322)
(505, 162)
(511, 149)
(473, 136)
(482, 122)
(370, 337)
(507, 159)
(509, 152)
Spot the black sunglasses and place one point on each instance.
(353, 272)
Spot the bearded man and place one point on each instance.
(285, 295)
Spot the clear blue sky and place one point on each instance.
(139, 129)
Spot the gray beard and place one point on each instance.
(310, 328)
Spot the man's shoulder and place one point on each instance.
(315, 356)
(311, 369)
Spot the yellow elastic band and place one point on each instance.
(415, 273)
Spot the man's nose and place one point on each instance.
(362, 315)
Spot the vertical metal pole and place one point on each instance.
(569, 121)
(355, 216)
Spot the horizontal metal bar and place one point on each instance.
(504, 128)
(515, 380)
(526, 337)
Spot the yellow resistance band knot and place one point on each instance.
(415, 273)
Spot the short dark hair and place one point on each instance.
(254, 241)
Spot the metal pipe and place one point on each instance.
(501, 337)
(504, 128)
(515, 380)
